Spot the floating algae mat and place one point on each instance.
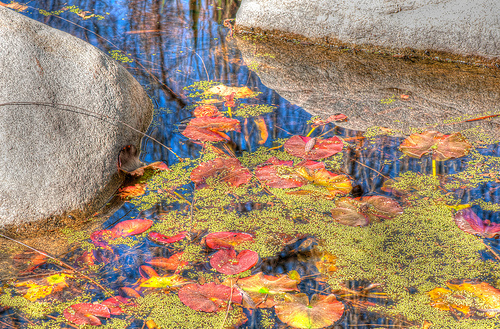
(256, 214)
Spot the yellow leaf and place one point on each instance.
(262, 127)
(164, 281)
(35, 291)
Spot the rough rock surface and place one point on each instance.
(58, 163)
(380, 90)
(461, 27)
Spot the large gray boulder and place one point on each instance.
(58, 164)
(380, 90)
(460, 27)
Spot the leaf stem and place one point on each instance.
(311, 131)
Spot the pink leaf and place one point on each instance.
(469, 222)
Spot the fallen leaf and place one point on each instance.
(279, 174)
(131, 227)
(86, 313)
(323, 148)
(318, 175)
(171, 281)
(362, 211)
(443, 147)
(15, 6)
(487, 294)
(206, 111)
(208, 297)
(346, 213)
(171, 263)
(469, 222)
(262, 288)
(115, 304)
(380, 207)
(228, 170)
(322, 311)
(227, 262)
(164, 239)
(210, 129)
(131, 191)
(227, 240)
(262, 127)
(239, 92)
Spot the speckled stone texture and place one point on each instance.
(460, 27)
(59, 164)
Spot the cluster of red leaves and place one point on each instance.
(226, 260)
(228, 170)
(283, 174)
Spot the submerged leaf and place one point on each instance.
(227, 240)
(131, 191)
(322, 148)
(298, 312)
(86, 313)
(381, 207)
(469, 222)
(171, 264)
(262, 127)
(239, 92)
(228, 170)
(209, 297)
(225, 261)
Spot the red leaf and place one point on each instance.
(129, 292)
(279, 174)
(228, 170)
(114, 303)
(131, 191)
(86, 313)
(147, 272)
(208, 128)
(209, 297)
(171, 263)
(469, 222)
(161, 238)
(132, 227)
(226, 240)
(323, 148)
(206, 111)
(225, 261)
(204, 135)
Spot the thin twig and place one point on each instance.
(228, 306)
(91, 114)
(372, 169)
(61, 263)
(490, 249)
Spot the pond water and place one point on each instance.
(353, 223)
